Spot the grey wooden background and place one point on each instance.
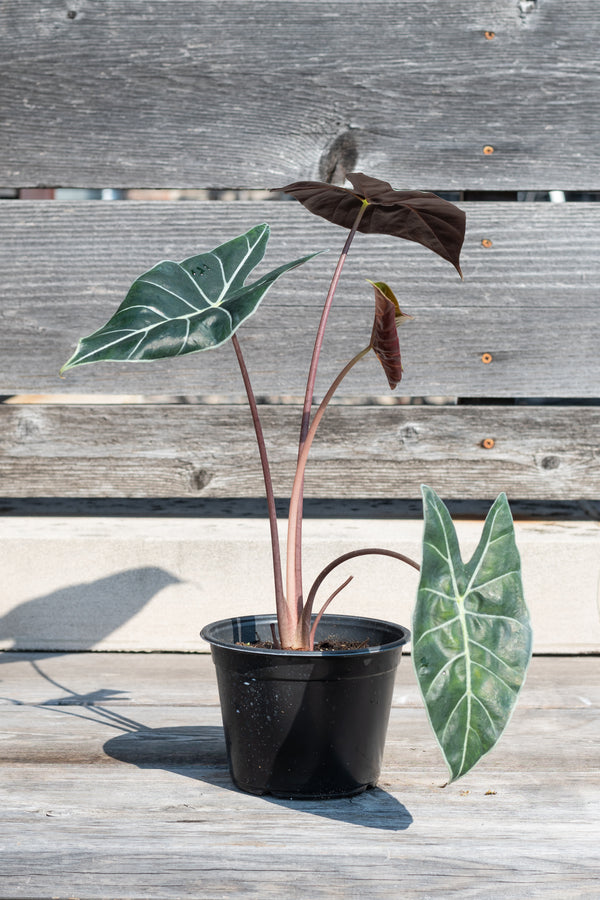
(124, 93)
(196, 94)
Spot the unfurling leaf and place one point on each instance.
(179, 308)
(384, 338)
(471, 633)
(414, 215)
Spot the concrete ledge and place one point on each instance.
(151, 584)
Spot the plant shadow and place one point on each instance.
(199, 752)
(72, 612)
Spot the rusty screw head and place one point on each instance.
(486, 242)
(488, 443)
(489, 35)
(486, 358)
(488, 150)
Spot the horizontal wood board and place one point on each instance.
(158, 679)
(367, 451)
(530, 300)
(131, 93)
(142, 584)
(119, 792)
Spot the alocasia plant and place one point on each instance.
(471, 633)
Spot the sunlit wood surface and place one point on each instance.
(114, 783)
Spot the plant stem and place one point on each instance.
(319, 616)
(307, 613)
(281, 607)
(294, 564)
(295, 512)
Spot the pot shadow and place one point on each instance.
(199, 753)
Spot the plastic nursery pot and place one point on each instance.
(305, 724)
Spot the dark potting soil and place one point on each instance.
(330, 643)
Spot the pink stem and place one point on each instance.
(281, 606)
(379, 551)
(294, 564)
(295, 512)
(319, 616)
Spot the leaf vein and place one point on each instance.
(185, 338)
(483, 552)
(455, 707)
(443, 671)
(477, 587)
(436, 628)
(141, 341)
(197, 287)
(438, 551)
(471, 612)
(484, 708)
(491, 652)
(251, 249)
(496, 676)
(172, 293)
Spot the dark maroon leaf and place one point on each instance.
(384, 338)
(414, 215)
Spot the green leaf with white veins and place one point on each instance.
(471, 633)
(179, 308)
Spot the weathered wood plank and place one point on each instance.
(143, 806)
(112, 583)
(121, 680)
(530, 300)
(100, 735)
(368, 451)
(124, 94)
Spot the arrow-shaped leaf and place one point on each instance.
(418, 216)
(384, 337)
(179, 308)
(471, 633)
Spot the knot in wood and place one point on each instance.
(199, 479)
(339, 159)
(550, 462)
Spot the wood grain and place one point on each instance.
(226, 94)
(145, 680)
(132, 798)
(530, 300)
(208, 451)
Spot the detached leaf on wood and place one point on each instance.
(180, 308)
(384, 338)
(471, 633)
(417, 216)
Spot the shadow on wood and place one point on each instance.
(69, 617)
(199, 752)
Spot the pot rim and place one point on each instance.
(271, 618)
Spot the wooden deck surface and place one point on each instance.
(114, 784)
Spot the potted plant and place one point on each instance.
(306, 695)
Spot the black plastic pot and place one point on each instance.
(302, 724)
